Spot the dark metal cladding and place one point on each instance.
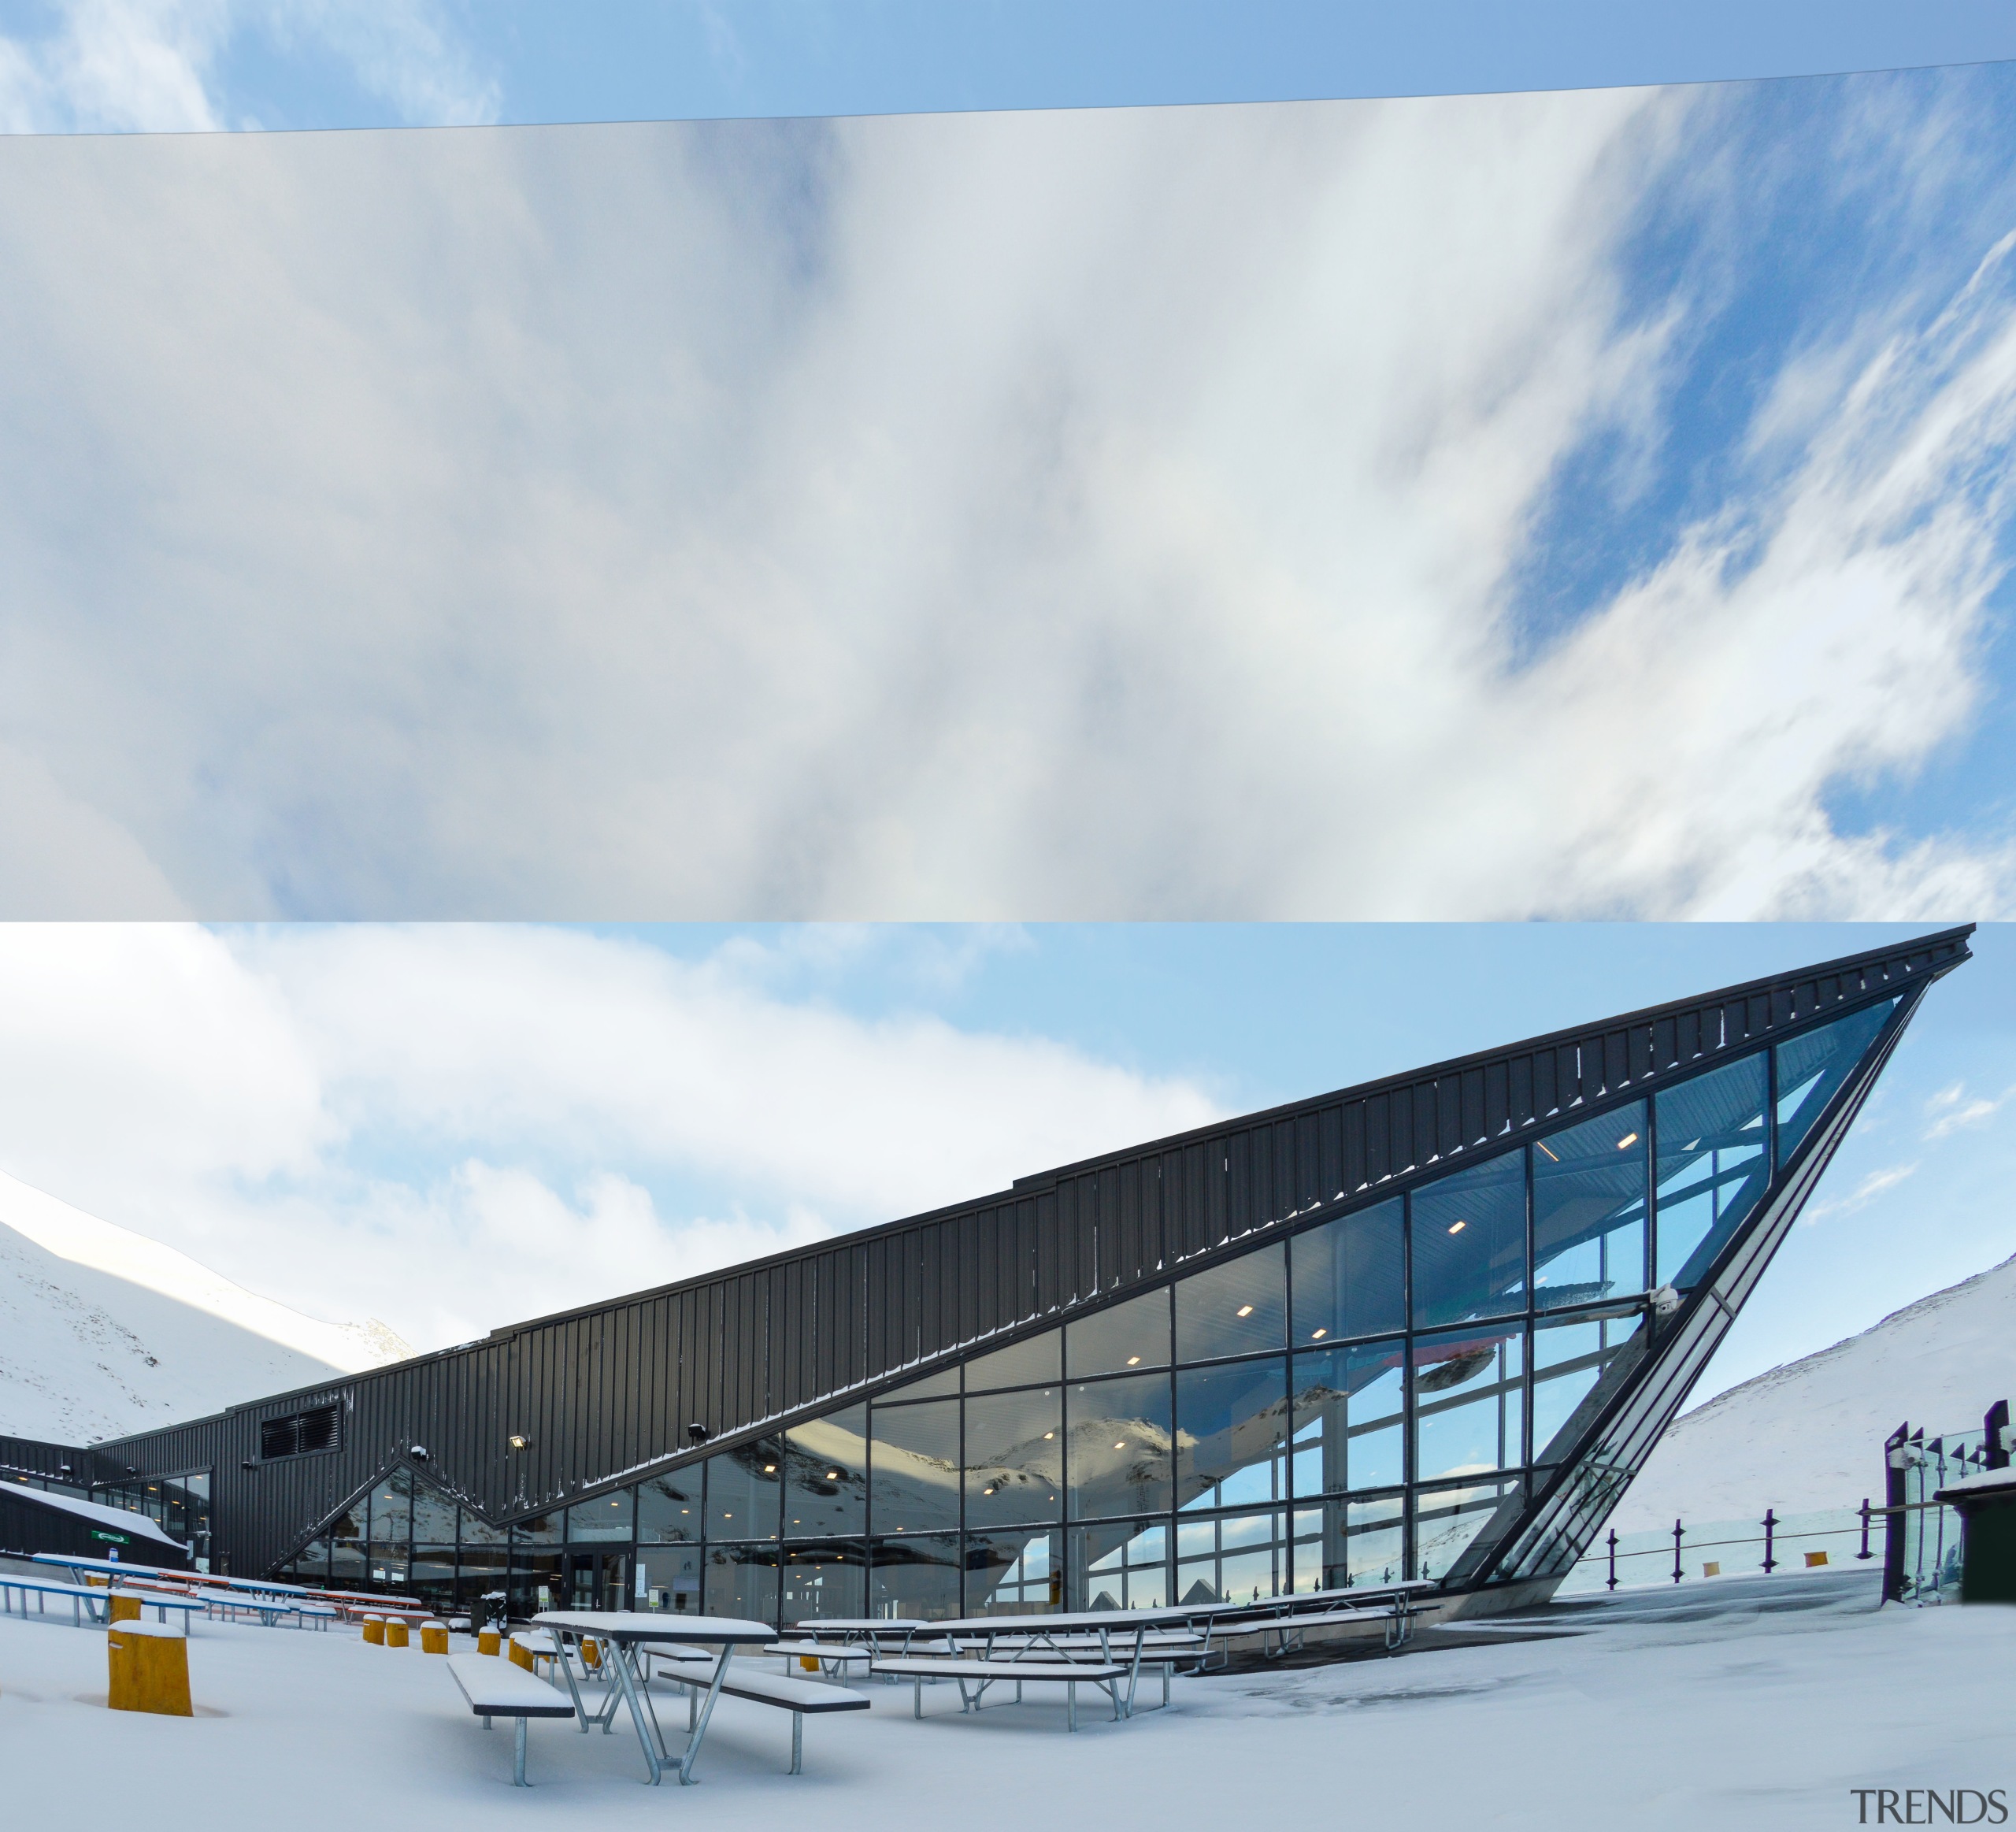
(603, 1393)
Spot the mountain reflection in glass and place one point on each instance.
(669, 1508)
(914, 1465)
(1232, 1433)
(1118, 1452)
(826, 1475)
(1589, 1210)
(743, 1487)
(1015, 1457)
(1349, 1417)
(1468, 1239)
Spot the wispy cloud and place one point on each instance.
(1873, 1184)
(1951, 1108)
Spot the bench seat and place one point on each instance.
(496, 1688)
(801, 1697)
(980, 1675)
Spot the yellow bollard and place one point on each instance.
(521, 1655)
(487, 1641)
(149, 1666)
(124, 1608)
(374, 1630)
(434, 1637)
(395, 1631)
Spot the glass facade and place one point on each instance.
(1713, 1165)
(1373, 1396)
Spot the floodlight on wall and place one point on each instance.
(1666, 1300)
(417, 1452)
(519, 1441)
(697, 1433)
(246, 1464)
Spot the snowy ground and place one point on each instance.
(1757, 1702)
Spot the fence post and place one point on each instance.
(1613, 1560)
(1676, 1551)
(1865, 1553)
(1770, 1526)
(1893, 1513)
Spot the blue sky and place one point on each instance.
(424, 62)
(452, 1128)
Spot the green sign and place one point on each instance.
(118, 1539)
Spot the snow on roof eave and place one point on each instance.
(122, 1518)
(1982, 1482)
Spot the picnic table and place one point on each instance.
(622, 1633)
(86, 1600)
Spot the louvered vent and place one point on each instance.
(299, 1432)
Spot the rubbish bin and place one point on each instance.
(1986, 1502)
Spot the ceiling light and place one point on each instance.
(1133, 1361)
(1050, 1434)
(769, 1468)
(1318, 1335)
(1542, 1147)
(832, 1475)
(1629, 1139)
(1122, 1445)
(1244, 1310)
(1459, 1227)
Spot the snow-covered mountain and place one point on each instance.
(103, 1331)
(1809, 1434)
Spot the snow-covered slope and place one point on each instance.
(1809, 1434)
(103, 1331)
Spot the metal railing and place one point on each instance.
(1706, 1550)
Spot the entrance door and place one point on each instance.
(599, 1580)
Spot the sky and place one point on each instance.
(873, 468)
(454, 1127)
(1574, 505)
(177, 64)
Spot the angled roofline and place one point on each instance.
(1947, 948)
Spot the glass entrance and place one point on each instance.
(599, 1580)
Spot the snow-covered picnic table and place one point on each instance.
(86, 1601)
(621, 1632)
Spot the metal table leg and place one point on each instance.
(706, 1711)
(621, 1656)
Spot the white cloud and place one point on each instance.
(1950, 1108)
(158, 66)
(1080, 515)
(452, 1127)
(1873, 1184)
